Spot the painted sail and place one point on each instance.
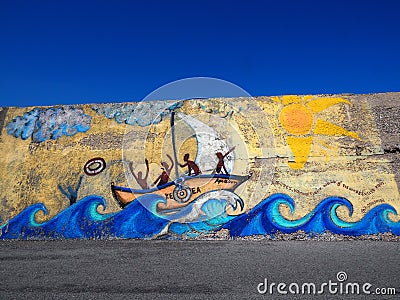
(209, 142)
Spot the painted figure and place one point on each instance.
(164, 177)
(191, 165)
(139, 178)
(71, 194)
(221, 163)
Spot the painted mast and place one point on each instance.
(173, 144)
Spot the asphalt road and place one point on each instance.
(130, 269)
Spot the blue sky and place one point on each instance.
(67, 52)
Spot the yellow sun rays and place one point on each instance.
(298, 118)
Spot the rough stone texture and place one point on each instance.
(386, 109)
(3, 112)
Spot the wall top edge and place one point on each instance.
(396, 94)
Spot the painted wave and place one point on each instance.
(265, 218)
(138, 220)
(207, 214)
(82, 220)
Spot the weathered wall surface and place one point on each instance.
(320, 164)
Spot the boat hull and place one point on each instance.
(180, 194)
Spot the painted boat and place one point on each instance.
(181, 192)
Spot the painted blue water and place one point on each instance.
(140, 219)
(265, 218)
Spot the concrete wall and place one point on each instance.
(311, 165)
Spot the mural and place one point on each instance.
(51, 123)
(298, 119)
(191, 168)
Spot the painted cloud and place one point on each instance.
(142, 113)
(52, 123)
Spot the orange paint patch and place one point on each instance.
(296, 119)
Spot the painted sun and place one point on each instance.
(300, 122)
